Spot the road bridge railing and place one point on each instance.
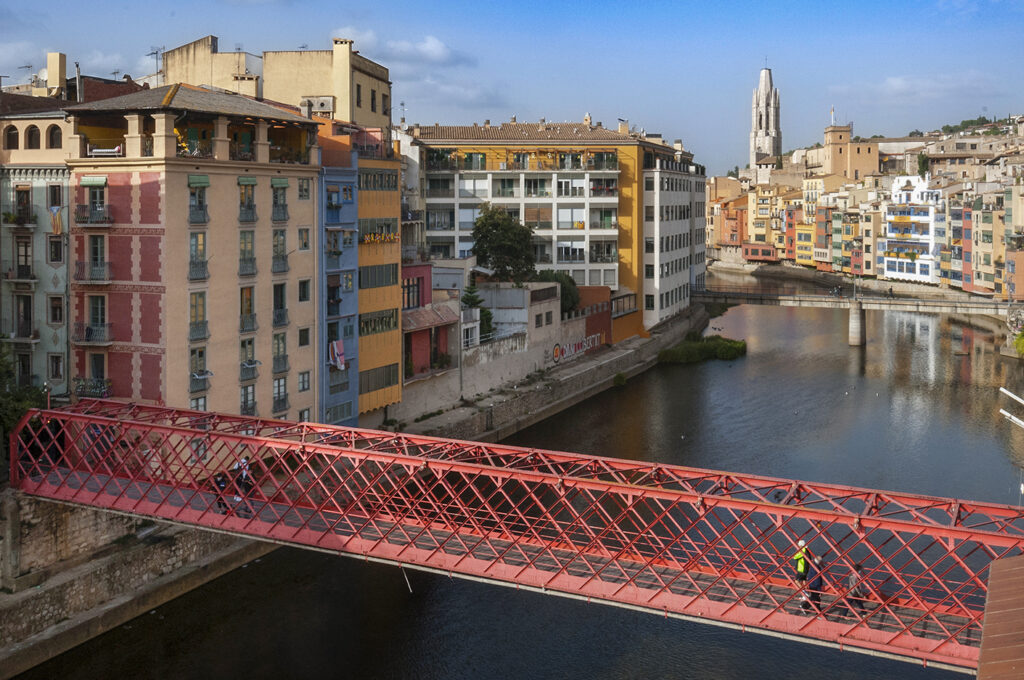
(681, 542)
(867, 298)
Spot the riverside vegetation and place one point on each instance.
(695, 348)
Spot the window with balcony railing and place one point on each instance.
(280, 363)
(281, 403)
(92, 332)
(247, 370)
(198, 270)
(247, 323)
(280, 317)
(279, 265)
(198, 330)
(93, 214)
(247, 266)
(247, 213)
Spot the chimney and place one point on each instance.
(78, 83)
(513, 118)
(623, 127)
(586, 119)
(306, 108)
(416, 130)
(487, 124)
(56, 71)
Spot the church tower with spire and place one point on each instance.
(765, 131)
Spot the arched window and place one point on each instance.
(32, 137)
(11, 137)
(54, 137)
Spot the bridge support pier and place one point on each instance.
(858, 334)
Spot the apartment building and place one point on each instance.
(33, 239)
(911, 251)
(193, 237)
(583, 190)
(338, 316)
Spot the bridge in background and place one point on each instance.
(857, 305)
(678, 542)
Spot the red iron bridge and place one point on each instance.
(679, 542)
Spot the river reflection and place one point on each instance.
(916, 410)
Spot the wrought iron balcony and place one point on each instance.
(94, 271)
(197, 214)
(280, 363)
(198, 330)
(93, 214)
(333, 307)
(280, 317)
(247, 323)
(281, 403)
(198, 270)
(198, 383)
(247, 408)
(247, 371)
(247, 266)
(19, 271)
(97, 388)
(279, 213)
(246, 213)
(20, 330)
(22, 216)
(279, 264)
(93, 333)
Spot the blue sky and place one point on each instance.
(684, 69)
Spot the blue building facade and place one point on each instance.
(339, 295)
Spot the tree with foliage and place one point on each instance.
(15, 399)
(915, 133)
(503, 244)
(472, 300)
(735, 172)
(570, 293)
(922, 164)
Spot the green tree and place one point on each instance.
(503, 244)
(15, 399)
(922, 164)
(915, 133)
(472, 300)
(570, 293)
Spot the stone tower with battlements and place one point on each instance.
(765, 131)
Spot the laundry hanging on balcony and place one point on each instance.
(336, 354)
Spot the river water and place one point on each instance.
(915, 410)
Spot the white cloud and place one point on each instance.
(364, 40)
(449, 94)
(100, 64)
(14, 55)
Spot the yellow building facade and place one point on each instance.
(380, 292)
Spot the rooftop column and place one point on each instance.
(165, 141)
(133, 138)
(262, 144)
(221, 141)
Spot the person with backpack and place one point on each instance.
(243, 486)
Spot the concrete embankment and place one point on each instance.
(513, 407)
(78, 573)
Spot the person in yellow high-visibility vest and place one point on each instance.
(802, 559)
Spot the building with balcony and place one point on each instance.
(338, 317)
(167, 182)
(579, 186)
(33, 238)
(430, 324)
(910, 250)
(379, 256)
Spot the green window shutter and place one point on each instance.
(199, 180)
(278, 181)
(246, 180)
(93, 181)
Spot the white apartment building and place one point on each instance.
(674, 238)
(908, 249)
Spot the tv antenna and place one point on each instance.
(238, 47)
(27, 68)
(155, 53)
(303, 46)
(115, 73)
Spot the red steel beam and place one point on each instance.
(690, 543)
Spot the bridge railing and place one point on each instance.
(677, 541)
